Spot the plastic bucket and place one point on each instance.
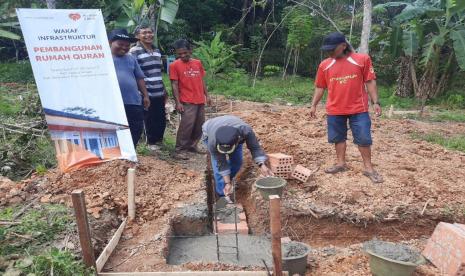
(270, 186)
(296, 264)
(382, 266)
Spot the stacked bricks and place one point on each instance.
(301, 173)
(446, 248)
(281, 164)
(230, 228)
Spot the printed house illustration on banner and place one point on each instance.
(82, 140)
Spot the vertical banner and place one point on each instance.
(74, 72)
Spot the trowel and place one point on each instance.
(223, 201)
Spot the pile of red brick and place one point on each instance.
(446, 248)
(281, 165)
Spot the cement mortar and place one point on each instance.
(226, 215)
(394, 251)
(252, 249)
(191, 220)
(293, 249)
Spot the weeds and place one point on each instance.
(454, 142)
(54, 262)
(37, 228)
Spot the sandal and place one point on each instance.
(374, 176)
(336, 169)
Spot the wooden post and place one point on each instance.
(275, 225)
(131, 197)
(80, 212)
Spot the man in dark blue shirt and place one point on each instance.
(131, 82)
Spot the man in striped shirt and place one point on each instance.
(149, 59)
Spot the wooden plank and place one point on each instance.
(131, 195)
(189, 273)
(80, 212)
(275, 225)
(103, 258)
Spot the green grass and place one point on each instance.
(25, 248)
(237, 85)
(20, 72)
(9, 104)
(449, 116)
(453, 142)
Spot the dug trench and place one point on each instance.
(322, 229)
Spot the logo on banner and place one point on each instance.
(74, 16)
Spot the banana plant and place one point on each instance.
(216, 56)
(8, 23)
(431, 33)
(131, 13)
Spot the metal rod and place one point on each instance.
(235, 220)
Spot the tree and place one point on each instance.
(366, 27)
(129, 13)
(299, 32)
(51, 4)
(431, 37)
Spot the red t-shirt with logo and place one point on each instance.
(190, 79)
(345, 80)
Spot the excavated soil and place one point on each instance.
(333, 214)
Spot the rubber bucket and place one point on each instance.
(296, 264)
(382, 266)
(270, 186)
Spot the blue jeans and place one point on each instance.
(360, 124)
(234, 162)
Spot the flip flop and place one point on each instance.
(374, 176)
(336, 169)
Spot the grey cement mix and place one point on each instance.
(293, 249)
(252, 249)
(226, 215)
(394, 251)
(194, 211)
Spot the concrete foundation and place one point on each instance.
(252, 250)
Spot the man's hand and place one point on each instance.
(377, 109)
(209, 101)
(180, 107)
(313, 111)
(146, 102)
(227, 189)
(265, 171)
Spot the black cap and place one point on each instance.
(121, 34)
(331, 41)
(227, 138)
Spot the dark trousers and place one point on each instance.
(155, 120)
(135, 115)
(190, 127)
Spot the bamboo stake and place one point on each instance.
(131, 197)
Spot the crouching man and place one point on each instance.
(224, 137)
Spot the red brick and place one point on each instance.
(283, 175)
(301, 173)
(229, 228)
(281, 168)
(446, 248)
(279, 159)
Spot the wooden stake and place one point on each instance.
(103, 258)
(131, 197)
(275, 224)
(80, 212)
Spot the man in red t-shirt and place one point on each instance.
(190, 93)
(347, 76)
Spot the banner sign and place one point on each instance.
(74, 72)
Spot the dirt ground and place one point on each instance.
(334, 214)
